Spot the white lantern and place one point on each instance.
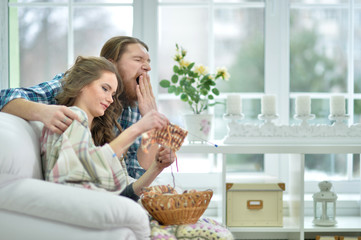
(324, 205)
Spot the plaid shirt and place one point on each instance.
(73, 159)
(46, 92)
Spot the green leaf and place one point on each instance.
(190, 89)
(204, 79)
(183, 81)
(178, 91)
(211, 82)
(215, 91)
(184, 97)
(210, 97)
(175, 68)
(192, 74)
(190, 66)
(204, 92)
(164, 83)
(174, 78)
(171, 89)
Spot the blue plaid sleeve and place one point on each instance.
(44, 92)
(130, 116)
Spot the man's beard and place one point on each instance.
(128, 100)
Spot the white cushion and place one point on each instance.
(20, 148)
(75, 206)
(15, 226)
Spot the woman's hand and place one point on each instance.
(152, 120)
(164, 157)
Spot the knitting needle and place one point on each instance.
(213, 144)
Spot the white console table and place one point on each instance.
(296, 225)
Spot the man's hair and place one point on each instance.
(114, 48)
(82, 73)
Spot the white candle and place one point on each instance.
(268, 105)
(303, 105)
(337, 105)
(234, 104)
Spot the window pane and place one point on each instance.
(192, 162)
(189, 32)
(94, 26)
(357, 51)
(321, 166)
(219, 124)
(43, 51)
(318, 54)
(245, 163)
(239, 45)
(172, 109)
(357, 111)
(356, 166)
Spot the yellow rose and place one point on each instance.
(184, 63)
(222, 72)
(201, 69)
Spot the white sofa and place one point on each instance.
(31, 208)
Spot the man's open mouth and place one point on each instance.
(138, 79)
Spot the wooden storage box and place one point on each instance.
(254, 204)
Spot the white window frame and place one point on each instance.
(4, 45)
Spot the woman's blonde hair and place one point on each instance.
(83, 72)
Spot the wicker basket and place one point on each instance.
(177, 209)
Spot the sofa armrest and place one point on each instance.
(76, 206)
(20, 148)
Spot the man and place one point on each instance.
(131, 58)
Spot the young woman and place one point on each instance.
(87, 154)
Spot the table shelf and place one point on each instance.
(295, 224)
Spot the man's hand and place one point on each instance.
(57, 118)
(146, 99)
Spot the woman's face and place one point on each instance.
(96, 97)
